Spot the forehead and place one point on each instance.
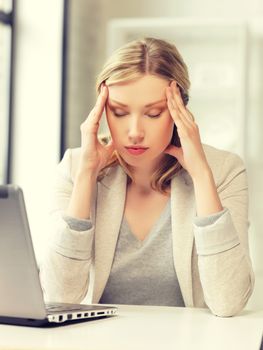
(141, 92)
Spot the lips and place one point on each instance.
(136, 150)
(136, 147)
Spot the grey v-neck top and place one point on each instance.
(143, 271)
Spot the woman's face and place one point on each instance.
(138, 115)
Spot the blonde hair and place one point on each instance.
(132, 61)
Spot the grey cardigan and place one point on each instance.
(212, 262)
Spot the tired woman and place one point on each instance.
(149, 215)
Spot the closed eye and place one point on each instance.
(154, 116)
(119, 115)
(149, 115)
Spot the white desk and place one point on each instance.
(144, 327)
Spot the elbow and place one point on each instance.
(230, 306)
(227, 311)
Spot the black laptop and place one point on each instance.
(21, 295)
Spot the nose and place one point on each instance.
(135, 130)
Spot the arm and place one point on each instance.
(65, 267)
(222, 246)
(206, 196)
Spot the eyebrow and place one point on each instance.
(148, 105)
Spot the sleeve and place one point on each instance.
(66, 263)
(77, 224)
(224, 263)
(208, 220)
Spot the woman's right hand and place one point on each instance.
(94, 155)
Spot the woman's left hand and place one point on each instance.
(191, 155)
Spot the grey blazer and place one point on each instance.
(211, 261)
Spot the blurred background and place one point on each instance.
(52, 50)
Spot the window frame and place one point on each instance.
(8, 18)
(64, 77)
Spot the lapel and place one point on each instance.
(182, 214)
(110, 204)
(110, 207)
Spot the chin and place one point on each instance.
(131, 160)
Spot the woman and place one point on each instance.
(150, 213)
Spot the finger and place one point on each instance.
(190, 115)
(96, 112)
(100, 103)
(182, 117)
(178, 98)
(174, 110)
(184, 127)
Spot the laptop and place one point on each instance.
(21, 295)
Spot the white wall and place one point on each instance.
(37, 99)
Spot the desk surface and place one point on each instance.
(144, 327)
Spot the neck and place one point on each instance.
(142, 178)
(141, 184)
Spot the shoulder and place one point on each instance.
(223, 163)
(216, 156)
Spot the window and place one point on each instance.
(6, 51)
